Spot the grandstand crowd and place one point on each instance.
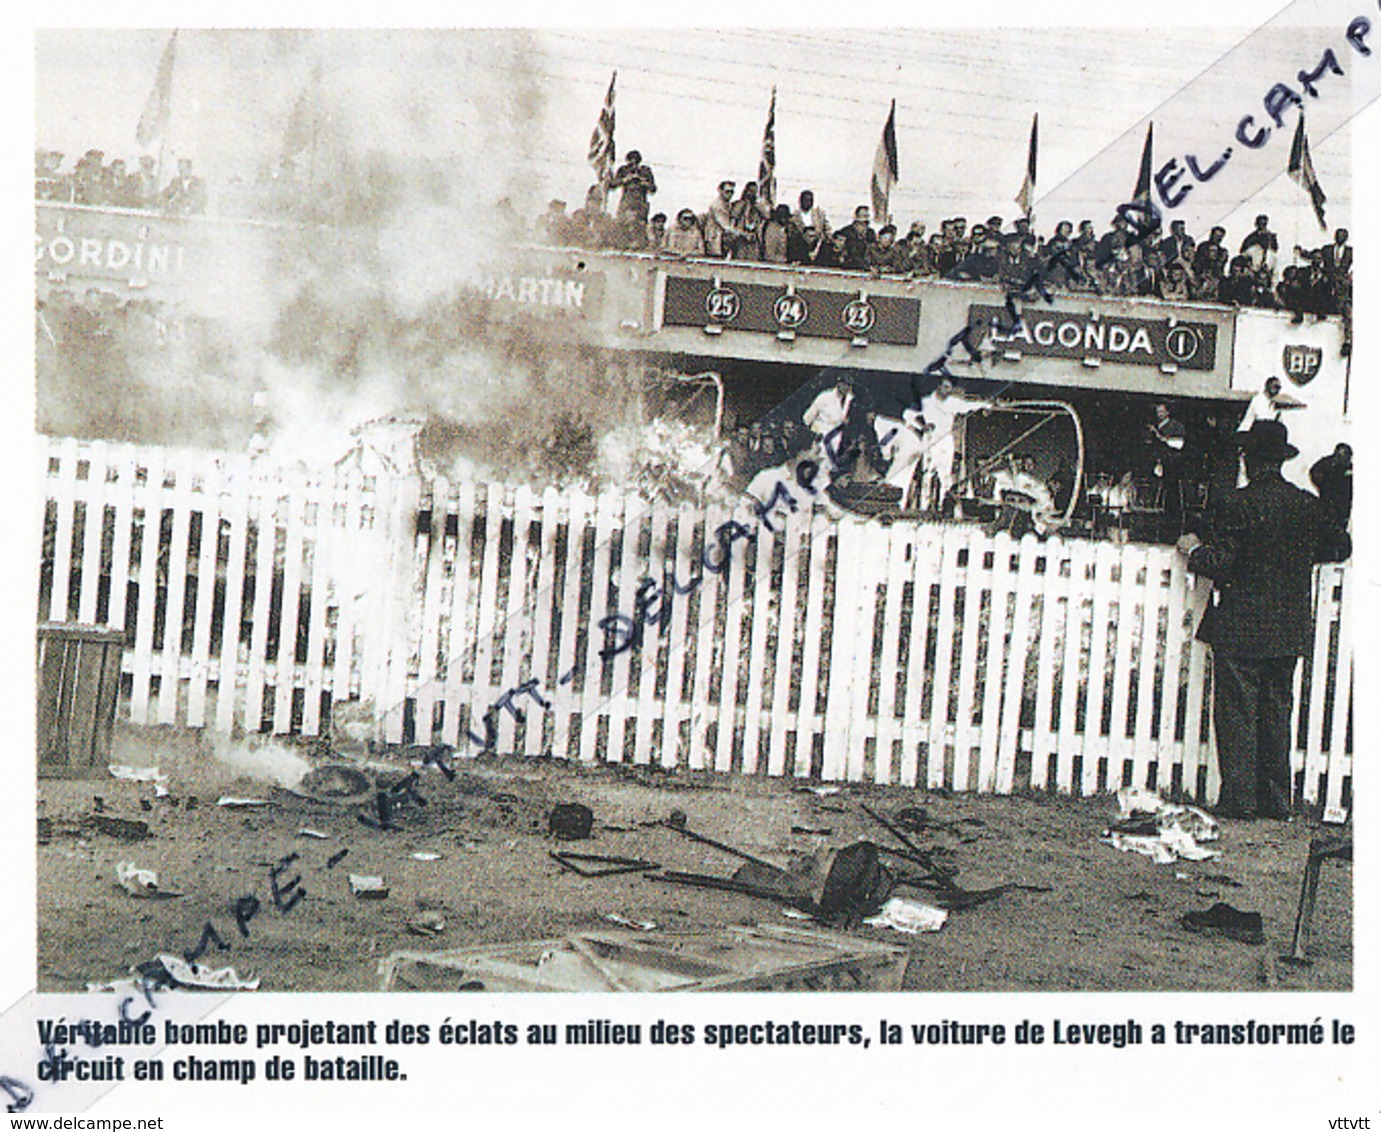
(738, 224)
(93, 180)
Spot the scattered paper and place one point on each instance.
(367, 887)
(1194, 821)
(195, 976)
(908, 916)
(1168, 846)
(176, 973)
(1179, 829)
(137, 881)
(636, 925)
(143, 774)
(427, 924)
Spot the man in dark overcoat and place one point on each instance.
(1260, 555)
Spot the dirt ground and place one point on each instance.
(1109, 922)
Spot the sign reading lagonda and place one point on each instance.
(1076, 335)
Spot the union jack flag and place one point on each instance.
(602, 140)
(767, 164)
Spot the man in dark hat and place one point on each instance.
(1260, 555)
(638, 183)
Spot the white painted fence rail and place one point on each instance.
(478, 615)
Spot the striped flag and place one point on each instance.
(1027, 197)
(1301, 170)
(767, 164)
(602, 140)
(885, 173)
(158, 107)
(1142, 195)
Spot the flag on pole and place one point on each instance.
(1301, 170)
(885, 172)
(158, 107)
(602, 141)
(1027, 197)
(767, 164)
(1142, 195)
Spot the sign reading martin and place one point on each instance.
(544, 293)
(809, 312)
(1109, 338)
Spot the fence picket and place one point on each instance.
(93, 490)
(200, 671)
(821, 667)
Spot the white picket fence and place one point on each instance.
(470, 614)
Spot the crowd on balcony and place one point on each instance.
(116, 184)
(1124, 260)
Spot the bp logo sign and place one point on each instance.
(1301, 363)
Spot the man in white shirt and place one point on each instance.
(1263, 407)
(719, 226)
(942, 410)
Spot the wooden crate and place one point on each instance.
(78, 683)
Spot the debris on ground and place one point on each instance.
(428, 923)
(315, 834)
(1227, 921)
(126, 829)
(633, 925)
(1133, 801)
(570, 821)
(139, 882)
(143, 774)
(368, 887)
(426, 855)
(337, 783)
(230, 802)
(598, 865)
(1160, 830)
(1166, 847)
(170, 971)
(765, 957)
(908, 916)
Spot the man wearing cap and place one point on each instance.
(638, 183)
(1260, 554)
